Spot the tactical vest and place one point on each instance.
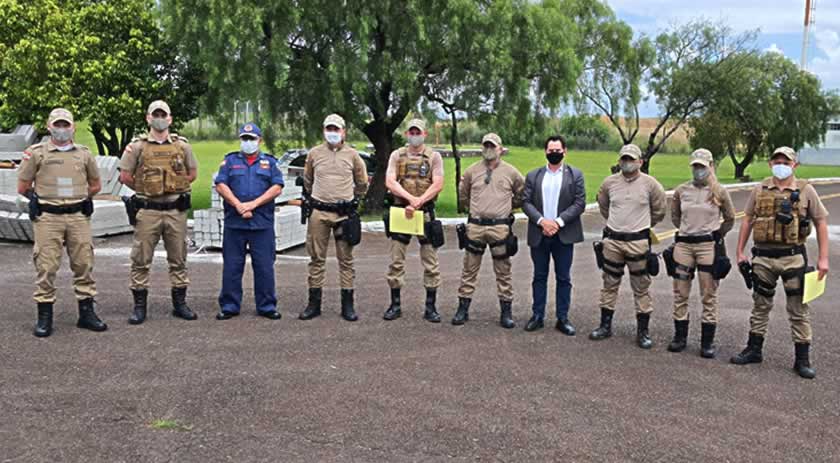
(767, 229)
(414, 173)
(162, 169)
(61, 175)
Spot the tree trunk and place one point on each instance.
(741, 167)
(457, 156)
(383, 142)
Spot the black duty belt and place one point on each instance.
(695, 239)
(66, 209)
(340, 208)
(480, 221)
(155, 206)
(635, 236)
(777, 253)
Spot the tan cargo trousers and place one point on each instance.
(501, 265)
(691, 255)
(768, 271)
(320, 225)
(151, 226)
(52, 233)
(617, 254)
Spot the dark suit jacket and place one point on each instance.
(570, 206)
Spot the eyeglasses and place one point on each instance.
(555, 152)
(487, 176)
(245, 137)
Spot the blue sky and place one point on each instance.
(780, 25)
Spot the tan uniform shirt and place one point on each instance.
(437, 163)
(495, 199)
(334, 174)
(631, 204)
(131, 160)
(85, 168)
(695, 212)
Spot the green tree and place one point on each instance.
(373, 61)
(104, 60)
(768, 103)
(679, 71)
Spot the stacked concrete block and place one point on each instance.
(109, 218)
(13, 143)
(208, 225)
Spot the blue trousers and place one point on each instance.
(260, 244)
(540, 255)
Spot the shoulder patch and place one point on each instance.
(26, 155)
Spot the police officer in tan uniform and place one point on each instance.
(160, 167)
(65, 178)
(491, 190)
(334, 178)
(780, 213)
(414, 177)
(696, 210)
(632, 202)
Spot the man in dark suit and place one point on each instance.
(555, 199)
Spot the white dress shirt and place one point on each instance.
(552, 181)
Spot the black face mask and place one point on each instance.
(555, 157)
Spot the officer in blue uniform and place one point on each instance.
(248, 180)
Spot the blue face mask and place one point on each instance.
(249, 146)
(782, 171)
(333, 138)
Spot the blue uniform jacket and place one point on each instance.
(249, 183)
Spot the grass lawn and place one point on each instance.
(669, 169)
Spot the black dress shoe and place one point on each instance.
(534, 324)
(565, 327)
(273, 315)
(222, 315)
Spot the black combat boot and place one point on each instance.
(642, 336)
(141, 298)
(394, 310)
(604, 330)
(347, 311)
(506, 318)
(463, 313)
(179, 304)
(752, 354)
(313, 307)
(45, 315)
(431, 313)
(87, 317)
(679, 342)
(802, 364)
(707, 340)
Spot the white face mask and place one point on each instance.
(416, 140)
(490, 154)
(61, 135)
(628, 167)
(782, 171)
(249, 146)
(159, 123)
(333, 138)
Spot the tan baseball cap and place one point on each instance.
(787, 151)
(158, 104)
(60, 114)
(702, 157)
(418, 124)
(492, 138)
(334, 119)
(632, 151)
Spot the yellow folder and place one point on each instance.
(814, 287)
(400, 224)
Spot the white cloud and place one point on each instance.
(828, 67)
(771, 16)
(773, 48)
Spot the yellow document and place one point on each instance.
(400, 224)
(814, 287)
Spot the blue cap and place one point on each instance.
(250, 129)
